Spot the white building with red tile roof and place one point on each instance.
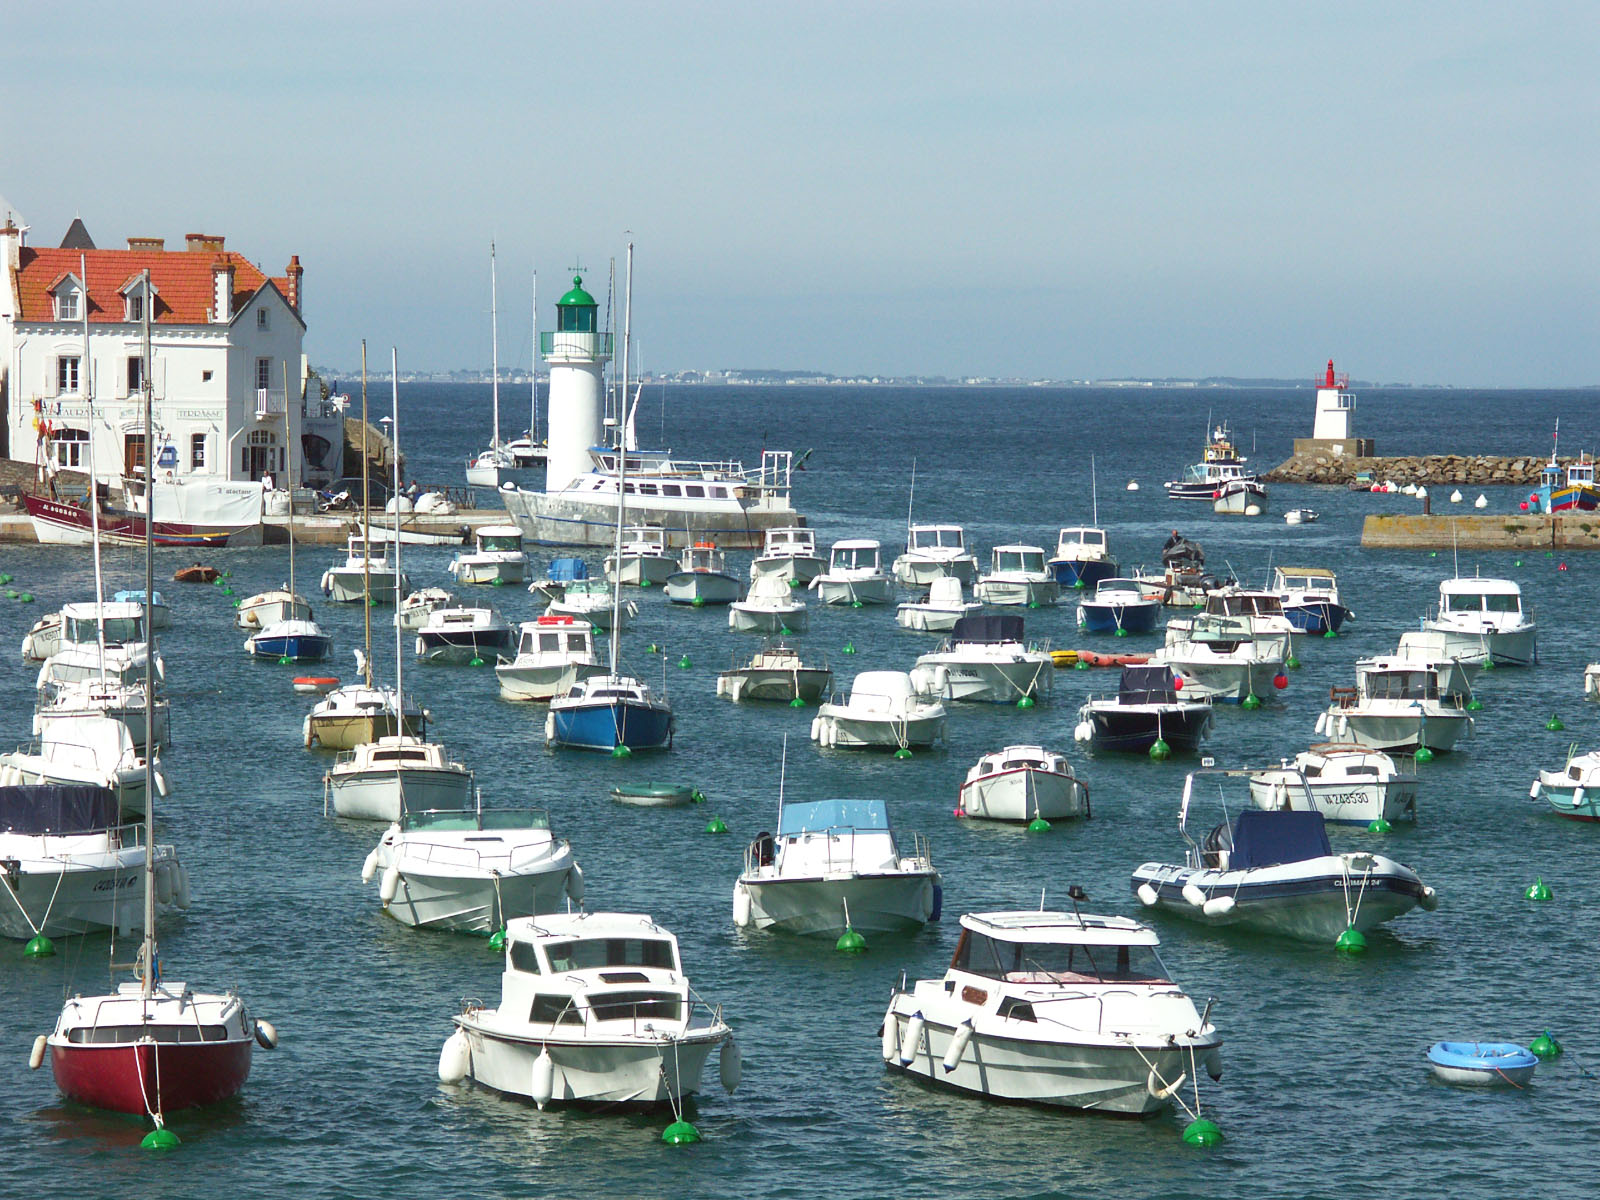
(225, 355)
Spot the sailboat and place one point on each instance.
(153, 1046)
(528, 450)
(361, 712)
(290, 637)
(1083, 555)
(485, 470)
(613, 711)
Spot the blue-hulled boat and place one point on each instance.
(1483, 1064)
(603, 712)
(1082, 558)
(296, 641)
(1118, 606)
(1310, 599)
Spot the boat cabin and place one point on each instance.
(556, 635)
(1243, 604)
(486, 821)
(1081, 541)
(935, 537)
(588, 969)
(1391, 679)
(1023, 560)
(566, 570)
(1147, 685)
(499, 539)
(1050, 949)
(1479, 596)
(856, 554)
(882, 691)
(1124, 590)
(122, 623)
(1223, 633)
(789, 542)
(825, 837)
(1019, 758)
(1288, 581)
(703, 557)
(643, 539)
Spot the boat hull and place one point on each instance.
(1572, 802)
(816, 907)
(921, 572)
(1082, 573)
(1405, 731)
(798, 569)
(766, 620)
(568, 520)
(642, 570)
(702, 587)
(1094, 617)
(344, 586)
(347, 731)
(462, 646)
(1134, 728)
(606, 726)
(1315, 616)
(296, 647)
(56, 523)
(490, 573)
(1031, 593)
(71, 898)
(836, 729)
(386, 795)
(122, 1077)
(1022, 795)
(542, 683)
(1348, 802)
(1516, 648)
(475, 902)
(987, 682)
(764, 683)
(928, 618)
(851, 592)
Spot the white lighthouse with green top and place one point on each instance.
(576, 353)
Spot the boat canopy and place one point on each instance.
(816, 815)
(1258, 838)
(568, 569)
(57, 808)
(992, 628)
(1147, 685)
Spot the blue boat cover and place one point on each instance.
(1147, 685)
(57, 808)
(989, 629)
(1265, 839)
(568, 569)
(817, 815)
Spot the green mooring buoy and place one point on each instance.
(1545, 1046)
(1423, 755)
(161, 1138)
(621, 751)
(680, 1133)
(1379, 825)
(1292, 663)
(797, 702)
(684, 664)
(902, 753)
(850, 942)
(1554, 724)
(1202, 1132)
(39, 946)
(1250, 703)
(716, 825)
(1351, 941)
(1159, 750)
(1537, 890)
(1025, 702)
(1474, 705)
(1038, 825)
(497, 940)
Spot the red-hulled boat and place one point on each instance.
(59, 522)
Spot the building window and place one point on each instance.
(205, 376)
(197, 452)
(67, 374)
(67, 305)
(135, 307)
(261, 318)
(72, 447)
(263, 374)
(135, 375)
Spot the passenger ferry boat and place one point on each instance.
(1219, 464)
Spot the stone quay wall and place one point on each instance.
(1431, 469)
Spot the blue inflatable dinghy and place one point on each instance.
(1483, 1064)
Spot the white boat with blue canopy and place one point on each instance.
(832, 865)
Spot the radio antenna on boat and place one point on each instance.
(912, 495)
(783, 768)
(1094, 494)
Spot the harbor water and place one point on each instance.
(1325, 1089)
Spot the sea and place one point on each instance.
(1325, 1090)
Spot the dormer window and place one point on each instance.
(67, 308)
(135, 308)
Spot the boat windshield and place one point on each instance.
(1019, 560)
(631, 1006)
(945, 535)
(855, 558)
(552, 642)
(503, 544)
(1495, 602)
(463, 819)
(1057, 962)
(119, 630)
(1402, 685)
(588, 954)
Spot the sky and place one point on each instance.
(1062, 190)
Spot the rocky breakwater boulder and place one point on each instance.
(1431, 469)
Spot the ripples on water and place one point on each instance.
(1325, 1090)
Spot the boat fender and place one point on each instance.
(180, 892)
(912, 1043)
(1148, 895)
(267, 1035)
(162, 788)
(455, 1058)
(1213, 1062)
(1322, 724)
(891, 1037)
(369, 866)
(1344, 726)
(575, 884)
(741, 905)
(1533, 792)
(1083, 731)
(958, 1046)
(163, 874)
(1218, 906)
(36, 1055)
(1588, 684)
(730, 1066)
(1577, 796)
(390, 885)
(1193, 894)
(1152, 1084)
(550, 727)
(722, 686)
(1429, 899)
(544, 1078)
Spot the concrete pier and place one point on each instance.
(1482, 531)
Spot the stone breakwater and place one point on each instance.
(1481, 531)
(1476, 469)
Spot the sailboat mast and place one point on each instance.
(1094, 494)
(394, 447)
(85, 375)
(911, 497)
(148, 956)
(622, 474)
(366, 518)
(494, 350)
(533, 399)
(288, 436)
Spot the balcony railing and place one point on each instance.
(573, 344)
(269, 404)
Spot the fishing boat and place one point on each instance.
(940, 610)
(488, 467)
(884, 710)
(553, 653)
(1484, 620)
(1274, 872)
(1082, 558)
(1240, 497)
(1219, 464)
(1344, 781)
(594, 1009)
(935, 552)
(985, 659)
(770, 607)
(835, 865)
(1309, 597)
(1055, 1008)
(1023, 783)
(789, 552)
(776, 672)
(644, 558)
(496, 557)
(464, 635)
(1149, 709)
(1483, 1064)
(365, 575)
(43, 638)
(1118, 606)
(1564, 490)
(1018, 576)
(271, 606)
(1262, 610)
(1396, 704)
(1574, 790)
(472, 869)
(591, 600)
(1224, 659)
(701, 578)
(384, 779)
(855, 575)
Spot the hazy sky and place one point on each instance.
(1070, 189)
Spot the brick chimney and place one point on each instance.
(204, 242)
(296, 289)
(148, 245)
(221, 290)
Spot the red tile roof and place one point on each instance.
(182, 280)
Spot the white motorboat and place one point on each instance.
(935, 552)
(43, 638)
(64, 710)
(96, 751)
(1018, 576)
(363, 712)
(776, 672)
(770, 607)
(68, 865)
(944, 606)
(835, 865)
(1224, 659)
(464, 635)
(1573, 791)
(1456, 676)
(496, 557)
(1396, 704)
(1149, 708)
(490, 467)
(594, 1009)
(1275, 872)
(702, 577)
(419, 605)
(1023, 783)
(855, 575)
(590, 600)
(384, 779)
(560, 575)
(365, 571)
(1344, 781)
(644, 557)
(1484, 620)
(270, 607)
(553, 653)
(789, 553)
(884, 709)
(1301, 516)
(1082, 558)
(1262, 609)
(471, 870)
(1240, 497)
(1054, 1008)
(985, 659)
(100, 642)
(1309, 597)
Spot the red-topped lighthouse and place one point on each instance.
(1336, 408)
